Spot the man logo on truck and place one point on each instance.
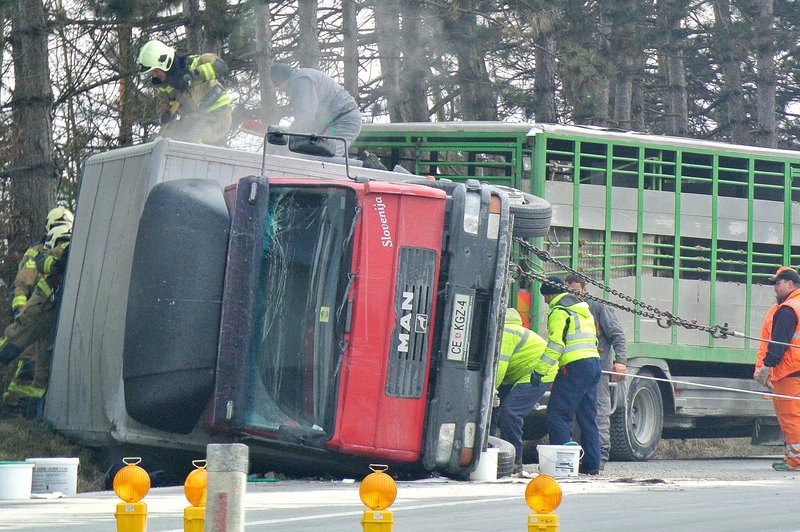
(405, 321)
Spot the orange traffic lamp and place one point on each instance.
(131, 484)
(377, 491)
(543, 496)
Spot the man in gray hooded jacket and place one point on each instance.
(319, 104)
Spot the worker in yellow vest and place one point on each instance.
(572, 348)
(520, 349)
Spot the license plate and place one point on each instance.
(460, 325)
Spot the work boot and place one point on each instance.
(583, 471)
(517, 469)
(13, 411)
(8, 351)
(371, 160)
(783, 466)
(29, 407)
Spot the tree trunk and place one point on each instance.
(387, 28)
(621, 44)
(545, 80)
(729, 56)
(766, 127)
(308, 38)
(216, 27)
(194, 29)
(467, 39)
(672, 68)
(414, 80)
(127, 93)
(32, 172)
(263, 59)
(350, 46)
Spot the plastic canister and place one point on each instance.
(487, 465)
(559, 460)
(54, 474)
(15, 480)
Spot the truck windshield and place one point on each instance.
(301, 308)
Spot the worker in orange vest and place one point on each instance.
(781, 367)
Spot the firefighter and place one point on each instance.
(192, 104)
(520, 349)
(36, 319)
(781, 369)
(33, 366)
(572, 345)
(319, 104)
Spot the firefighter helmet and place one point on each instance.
(58, 216)
(56, 234)
(155, 54)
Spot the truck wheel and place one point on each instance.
(531, 213)
(505, 456)
(636, 428)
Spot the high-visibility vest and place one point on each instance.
(520, 349)
(790, 362)
(571, 333)
(766, 334)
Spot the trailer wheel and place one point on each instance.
(531, 213)
(636, 428)
(505, 456)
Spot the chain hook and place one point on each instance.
(665, 320)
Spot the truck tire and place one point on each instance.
(636, 428)
(506, 454)
(531, 213)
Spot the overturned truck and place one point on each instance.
(326, 317)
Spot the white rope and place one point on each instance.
(709, 386)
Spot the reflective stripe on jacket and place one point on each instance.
(790, 362)
(571, 333)
(192, 97)
(26, 278)
(520, 349)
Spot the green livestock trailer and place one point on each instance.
(688, 227)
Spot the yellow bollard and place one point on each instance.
(194, 516)
(131, 484)
(377, 491)
(543, 495)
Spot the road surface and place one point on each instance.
(665, 495)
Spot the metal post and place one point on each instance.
(227, 483)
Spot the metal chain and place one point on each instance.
(664, 318)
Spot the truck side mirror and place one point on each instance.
(276, 135)
(312, 146)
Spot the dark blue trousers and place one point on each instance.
(516, 402)
(574, 395)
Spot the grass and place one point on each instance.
(25, 438)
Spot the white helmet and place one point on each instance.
(56, 234)
(155, 54)
(58, 216)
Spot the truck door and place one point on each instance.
(284, 311)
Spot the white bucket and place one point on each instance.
(54, 474)
(487, 465)
(15, 480)
(559, 460)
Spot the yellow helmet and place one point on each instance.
(155, 54)
(58, 216)
(56, 234)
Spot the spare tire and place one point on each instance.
(506, 454)
(532, 214)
